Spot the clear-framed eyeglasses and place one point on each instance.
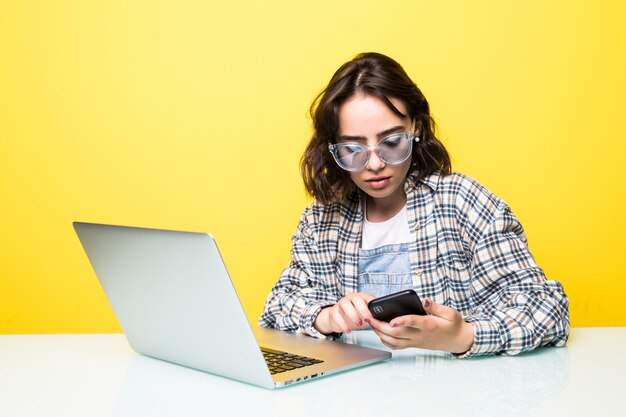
(393, 149)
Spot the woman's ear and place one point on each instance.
(417, 127)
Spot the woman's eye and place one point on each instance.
(392, 142)
(349, 149)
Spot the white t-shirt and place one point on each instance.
(390, 232)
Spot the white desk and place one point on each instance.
(99, 375)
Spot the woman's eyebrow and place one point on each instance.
(395, 129)
(380, 135)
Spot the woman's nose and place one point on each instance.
(374, 162)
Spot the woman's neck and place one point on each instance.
(381, 209)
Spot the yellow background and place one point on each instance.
(192, 115)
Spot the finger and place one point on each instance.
(439, 310)
(377, 325)
(360, 304)
(381, 327)
(337, 322)
(352, 317)
(411, 320)
(405, 337)
(389, 339)
(385, 339)
(393, 342)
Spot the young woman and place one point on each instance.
(390, 215)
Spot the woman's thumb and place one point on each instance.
(438, 310)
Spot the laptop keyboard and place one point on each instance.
(279, 361)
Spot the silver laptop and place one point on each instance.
(175, 301)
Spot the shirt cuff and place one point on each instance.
(307, 319)
(487, 338)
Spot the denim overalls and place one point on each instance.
(384, 270)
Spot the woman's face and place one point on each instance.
(366, 120)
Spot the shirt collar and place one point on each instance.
(432, 181)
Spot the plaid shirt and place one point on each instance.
(468, 251)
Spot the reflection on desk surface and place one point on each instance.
(414, 381)
(441, 384)
(99, 375)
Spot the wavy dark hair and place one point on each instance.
(379, 76)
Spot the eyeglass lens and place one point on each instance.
(391, 150)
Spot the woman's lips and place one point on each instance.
(378, 182)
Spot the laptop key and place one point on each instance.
(295, 365)
(279, 361)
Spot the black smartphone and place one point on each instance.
(395, 305)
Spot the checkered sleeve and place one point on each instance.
(518, 309)
(301, 291)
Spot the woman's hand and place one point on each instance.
(348, 314)
(444, 329)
